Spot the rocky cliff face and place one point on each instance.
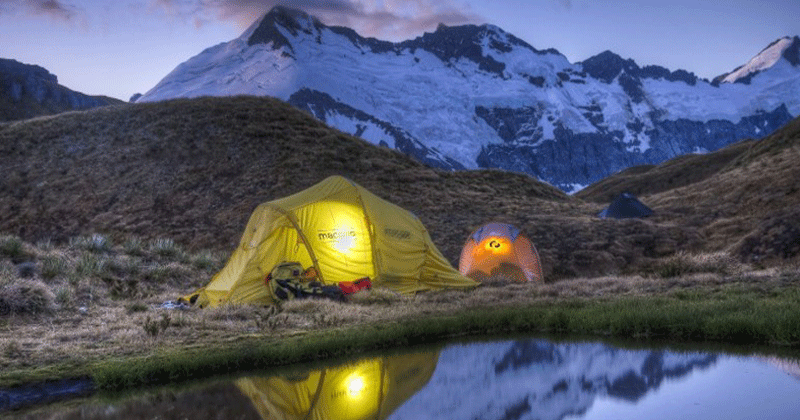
(475, 96)
(28, 91)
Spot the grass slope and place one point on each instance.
(193, 170)
(104, 214)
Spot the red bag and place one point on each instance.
(350, 287)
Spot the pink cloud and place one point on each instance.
(388, 19)
(51, 8)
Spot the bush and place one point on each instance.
(26, 297)
(96, 243)
(682, 264)
(137, 307)
(64, 295)
(90, 265)
(165, 247)
(154, 327)
(205, 261)
(12, 247)
(133, 246)
(53, 267)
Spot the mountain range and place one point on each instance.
(538, 379)
(469, 97)
(28, 91)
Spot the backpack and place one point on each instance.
(283, 280)
(288, 281)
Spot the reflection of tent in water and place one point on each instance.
(500, 249)
(625, 206)
(368, 389)
(341, 230)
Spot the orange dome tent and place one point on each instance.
(500, 249)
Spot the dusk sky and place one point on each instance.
(121, 47)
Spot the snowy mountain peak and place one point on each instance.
(786, 48)
(290, 20)
(475, 96)
(606, 66)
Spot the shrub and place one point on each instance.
(133, 246)
(90, 265)
(123, 266)
(13, 350)
(154, 327)
(53, 267)
(26, 297)
(64, 295)
(164, 273)
(96, 243)
(12, 247)
(205, 261)
(165, 247)
(137, 307)
(682, 264)
(44, 245)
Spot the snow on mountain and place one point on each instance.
(475, 96)
(537, 379)
(785, 48)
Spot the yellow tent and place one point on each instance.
(369, 389)
(500, 249)
(344, 232)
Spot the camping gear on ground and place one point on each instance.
(341, 230)
(350, 287)
(369, 389)
(500, 249)
(288, 280)
(625, 206)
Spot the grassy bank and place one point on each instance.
(733, 317)
(92, 307)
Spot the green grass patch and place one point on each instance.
(734, 320)
(12, 248)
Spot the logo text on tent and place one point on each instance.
(335, 235)
(397, 233)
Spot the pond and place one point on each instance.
(508, 380)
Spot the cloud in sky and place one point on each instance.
(386, 19)
(54, 9)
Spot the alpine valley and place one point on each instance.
(470, 97)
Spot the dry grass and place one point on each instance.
(113, 310)
(185, 170)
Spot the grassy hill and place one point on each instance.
(107, 213)
(743, 198)
(193, 170)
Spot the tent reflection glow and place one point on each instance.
(355, 385)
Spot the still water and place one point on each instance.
(503, 380)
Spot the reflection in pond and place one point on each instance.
(368, 389)
(508, 380)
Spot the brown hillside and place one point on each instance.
(674, 173)
(751, 206)
(743, 198)
(193, 170)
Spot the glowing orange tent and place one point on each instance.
(500, 249)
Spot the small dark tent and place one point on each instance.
(625, 206)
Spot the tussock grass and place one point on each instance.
(100, 314)
(26, 297)
(13, 248)
(683, 263)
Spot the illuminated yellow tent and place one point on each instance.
(369, 389)
(500, 249)
(344, 232)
